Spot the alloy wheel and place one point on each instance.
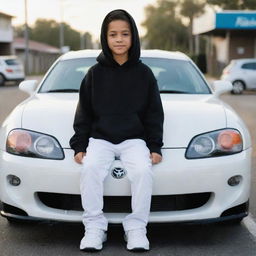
(238, 87)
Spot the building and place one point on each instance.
(41, 55)
(6, 34)
(229, 34)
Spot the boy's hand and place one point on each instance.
(155, 158)
(79, 157)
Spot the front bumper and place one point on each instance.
(175, 175)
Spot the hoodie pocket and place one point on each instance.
(119, 125)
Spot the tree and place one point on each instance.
(233, 4)
(71, 37)
(164, 28)
(248, 4)
(47, 31)
(19, 31)
(191, 9)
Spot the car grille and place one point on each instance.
(119, 204)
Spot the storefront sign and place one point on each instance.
(236, 20)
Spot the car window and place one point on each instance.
(250, 65)
(172, 76)
(12, 62)
(177, 75)
(67, 74)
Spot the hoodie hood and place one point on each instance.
(106, 58)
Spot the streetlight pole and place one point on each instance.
(26, 37)
(61, 26)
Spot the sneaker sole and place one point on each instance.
(90, 249)
(138, 249)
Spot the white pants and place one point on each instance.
(135, 157)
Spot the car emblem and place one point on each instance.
(118, 173)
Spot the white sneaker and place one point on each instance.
(93, 239)
(137, 240)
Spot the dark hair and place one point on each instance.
(115, 15)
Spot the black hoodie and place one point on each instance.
(119, 102)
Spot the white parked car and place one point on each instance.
(204, 175)
(11, 69)
(242, 74)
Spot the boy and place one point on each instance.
(119, 113)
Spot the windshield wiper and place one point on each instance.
(63, 90)
(172, 91)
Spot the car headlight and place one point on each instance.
(216, 143)
(33, 144)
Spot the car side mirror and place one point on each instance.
(28, 86)
(221, 86)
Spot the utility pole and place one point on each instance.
(61, 26)
(26, 37)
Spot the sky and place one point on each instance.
(82, 15)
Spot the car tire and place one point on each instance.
(2, 80)
(238, 87)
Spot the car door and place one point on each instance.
(249, 72)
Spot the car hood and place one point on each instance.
(189, 115)
(185, 116)
(51, 113)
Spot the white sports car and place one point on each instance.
(204, 175)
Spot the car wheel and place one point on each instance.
(238, 87)
(2, 80)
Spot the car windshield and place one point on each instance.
(177, 76)
(173, 76)
(66, 75)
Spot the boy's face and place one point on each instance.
(119, 37)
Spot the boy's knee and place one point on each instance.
(94, 169)
(90, 167)
(141, 171)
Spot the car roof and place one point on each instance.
(7, 57)
(144, 53)
(244, 60)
